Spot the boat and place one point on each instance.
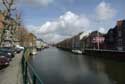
(77, 51)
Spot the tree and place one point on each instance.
(8, 5)
(8, 22)
(12, 23)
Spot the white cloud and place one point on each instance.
(102, 30)
(32, 28)
(65, 26)
(48, 27)
(105, 11)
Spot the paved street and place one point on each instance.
(12, 74)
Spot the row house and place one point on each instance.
(29, 40)
(70, 43)
(76, 41)
(95, 40)
(115, 37)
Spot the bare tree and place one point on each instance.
(8, 5)
(9, 22)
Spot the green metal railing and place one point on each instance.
(30, 76)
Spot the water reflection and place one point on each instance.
(60, 67)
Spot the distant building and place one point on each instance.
(71, 43)
(39, 44)
(113, 40)
(29, 40)
(110, 39)
(95, 40)
(76, 41)
(83, 42)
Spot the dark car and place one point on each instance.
(8, 50)
(4, 62)
(8, 55)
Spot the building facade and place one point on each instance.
(95, 40)
(115, 37)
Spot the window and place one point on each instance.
(120, 42)
(119, 33)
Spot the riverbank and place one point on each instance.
(12, 74)
(101, 53)
(109, 54)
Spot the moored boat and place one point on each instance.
(77, 51)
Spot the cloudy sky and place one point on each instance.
(55, 20)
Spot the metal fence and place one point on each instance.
(30, 76)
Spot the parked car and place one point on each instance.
(8, 50)
(18, 48)
(4, 62)
(8, 55)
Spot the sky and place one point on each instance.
(55, 20)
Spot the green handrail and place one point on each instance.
(29, 77)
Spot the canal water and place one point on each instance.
(55, 66)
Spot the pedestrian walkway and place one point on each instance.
(12, 74)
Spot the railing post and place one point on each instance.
(34, 79)
(25, 68)
(25, 73)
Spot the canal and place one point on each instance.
(56, 66)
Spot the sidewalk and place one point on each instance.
(12, 74)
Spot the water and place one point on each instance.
(56, 66)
